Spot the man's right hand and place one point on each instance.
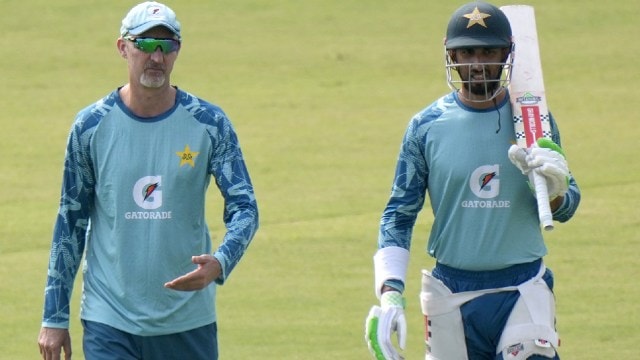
(52, 341)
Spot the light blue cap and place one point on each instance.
(147, 15)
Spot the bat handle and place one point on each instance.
(542, 196)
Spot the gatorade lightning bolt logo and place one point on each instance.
(487, 179)
(484, 181)
(149, 190)
(147, 194)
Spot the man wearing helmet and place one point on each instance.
(480, 56)
(489, 293)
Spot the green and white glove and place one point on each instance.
(382, 321)
(547, 159)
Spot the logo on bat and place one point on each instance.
(528, 99)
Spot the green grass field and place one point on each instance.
(320, 93)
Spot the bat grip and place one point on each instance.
(542, 196)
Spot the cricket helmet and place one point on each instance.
(479, 25)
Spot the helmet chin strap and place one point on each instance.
(493, 100)
(495, 106)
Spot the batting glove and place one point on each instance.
(547, 159)
(518, 157)
(382, 321)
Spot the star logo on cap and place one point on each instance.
(476, 17)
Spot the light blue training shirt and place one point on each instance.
(485, 214)
(133, 195)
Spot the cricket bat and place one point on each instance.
(527, 95)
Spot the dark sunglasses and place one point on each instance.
(150, 45)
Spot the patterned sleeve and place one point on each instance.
(572, 198)
(70, 228)
(240, 208)
(408, 191)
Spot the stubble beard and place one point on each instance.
(152, 81)
(486, 85)
(482, 88)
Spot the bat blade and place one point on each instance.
(527, 95)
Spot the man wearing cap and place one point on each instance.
(137, 167)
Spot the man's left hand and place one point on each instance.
(208, 270)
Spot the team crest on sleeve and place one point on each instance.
(187, 156)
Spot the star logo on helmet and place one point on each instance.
(476, 17)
